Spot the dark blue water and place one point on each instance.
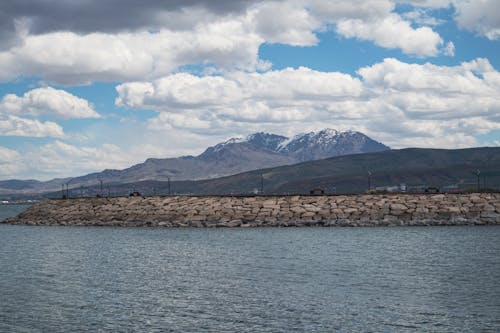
(428, 279)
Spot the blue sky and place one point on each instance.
(81, 93)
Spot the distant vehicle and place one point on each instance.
(317, 191)
(135, 194)
(431, 190)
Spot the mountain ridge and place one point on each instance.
(233, 156)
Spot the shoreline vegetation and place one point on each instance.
(267, 211)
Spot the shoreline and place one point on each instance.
(268, 211)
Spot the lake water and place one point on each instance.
(73, 279)
(12, 210)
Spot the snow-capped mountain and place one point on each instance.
(329, 143)
(236, 155)
(305, 147)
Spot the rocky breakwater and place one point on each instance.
(283, 211)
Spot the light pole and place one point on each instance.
(67, 187)
(168, 182)
(478, 182)
(62, 190)
(369, 181)
(261, 183)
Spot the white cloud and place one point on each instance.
(226, 41)
(188, 91)
(68, 58)
(374, 20)
(285, 23)
(62, 159)
(9, 161)
(59, 159)
(449, 50)
(422, 17)
(428, 105)
(230, 40)
(481, 16)
(169, 121)
(16, 126)
(428, 3)
(393, 32)
(47, 101)
(331, 11)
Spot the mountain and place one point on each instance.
(236, 155)
(329, 143)
(304, 147)
(418, 168)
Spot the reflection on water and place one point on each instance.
(433, 279)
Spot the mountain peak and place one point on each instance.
(329, 143)
(213, 151)
(267, 141)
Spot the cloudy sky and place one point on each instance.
(88, 85)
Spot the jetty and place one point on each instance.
(268, 211)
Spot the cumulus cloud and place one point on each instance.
(156, 38)
(285, 23)
(425, 102)
(54, 157)
(59, 159)
(17, 126)
(42, 17)
(80, 51)
(186, 90)
(64, 159)
(47, 101)
(9, 161)
(481, 16)
(422, 17)
(69, 58)
(393, 32)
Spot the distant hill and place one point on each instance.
(257, 151)
(445, 169)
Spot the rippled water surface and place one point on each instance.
(69, 279)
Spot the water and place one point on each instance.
(12, 210)
(72, 279)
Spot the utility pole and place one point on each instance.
(168, 180)
(100, 192)
(62, 190)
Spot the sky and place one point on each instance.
(91, 85)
